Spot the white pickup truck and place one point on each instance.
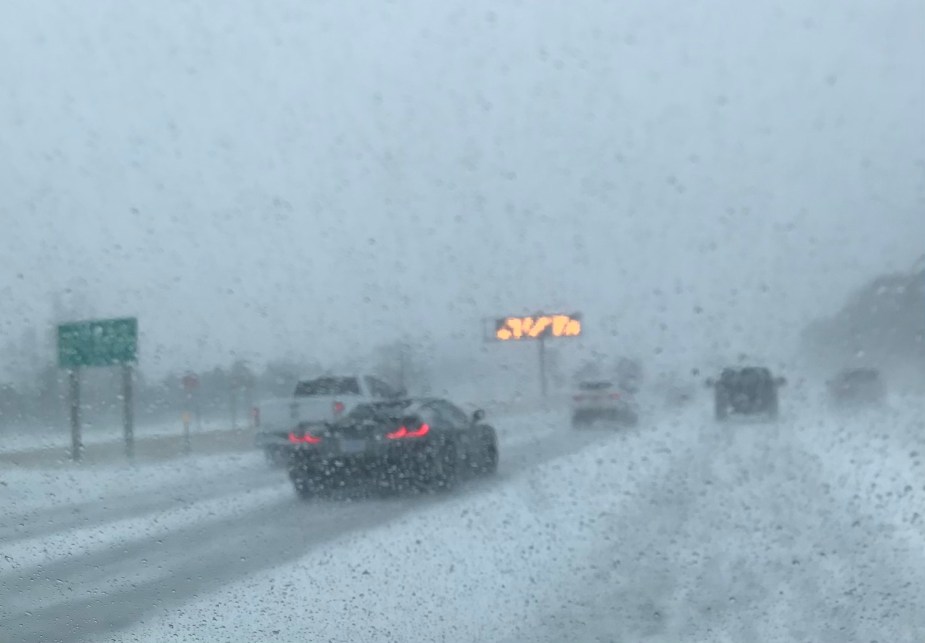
(314, 401)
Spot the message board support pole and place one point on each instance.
(73, 379)
(128, 418)
(234, 407)
(542, 345)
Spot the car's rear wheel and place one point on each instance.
(306, 481)
(391, 480)
(305, 488)
(489, 463)
(442, 467)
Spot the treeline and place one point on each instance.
(226, 392)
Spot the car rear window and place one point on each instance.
(367, 412)
(328, 386)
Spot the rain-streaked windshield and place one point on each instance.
(516, 321)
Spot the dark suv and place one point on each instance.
(746, 391)
(857, 387)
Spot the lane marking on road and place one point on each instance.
(82, 541)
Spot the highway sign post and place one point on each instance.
(187, 442)
(73, 388)
(191, 386)
(96, 343)
(539, 328)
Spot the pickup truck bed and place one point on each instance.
(314, 401)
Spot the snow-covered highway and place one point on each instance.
(680, 529)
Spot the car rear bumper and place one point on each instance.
(395, 465)
(374, 453)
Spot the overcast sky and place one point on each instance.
(311, 177)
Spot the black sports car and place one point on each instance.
(747, 391)
(422, 443)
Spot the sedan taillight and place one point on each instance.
(403, 432)
(306, 438)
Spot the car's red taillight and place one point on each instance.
(339, 408)
(403, 432)
(306, 438)
(420, 432)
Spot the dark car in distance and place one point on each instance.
(419, 443)
(857, 387)
(746, 391)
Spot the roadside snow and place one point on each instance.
(28, 489)
(12, 441)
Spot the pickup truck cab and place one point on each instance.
(314, 401)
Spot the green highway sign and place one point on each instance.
(99, 342)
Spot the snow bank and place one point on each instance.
(29, 489)
(23, 440)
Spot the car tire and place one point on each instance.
(443, 469)
(391, 481)
(307, 480)
(489, 461)
(305, 488)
